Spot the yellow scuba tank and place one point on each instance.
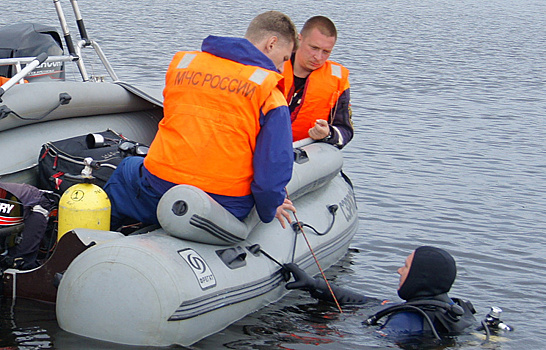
(84, 205)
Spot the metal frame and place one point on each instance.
(74, 51)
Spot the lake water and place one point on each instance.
(449, 104)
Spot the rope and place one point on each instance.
(315, 257)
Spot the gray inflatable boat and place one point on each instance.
(202, 269)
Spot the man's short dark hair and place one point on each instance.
(323, 24)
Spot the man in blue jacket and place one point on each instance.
(226, 129)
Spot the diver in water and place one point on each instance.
(425, 280)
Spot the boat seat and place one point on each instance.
(187, 212)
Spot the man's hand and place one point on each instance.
(282, 212)
(320, 130)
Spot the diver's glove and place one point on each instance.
(318, 288)
(301, 279)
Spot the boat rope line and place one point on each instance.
(332, 210)
(213, 229)
(64, 99)
(315, 257)
(196, 307)
(330, 247)
(255, 248)
(294, 245)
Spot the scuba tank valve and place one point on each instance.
(493, 321)
(84, 205)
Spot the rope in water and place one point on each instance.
(315, 257)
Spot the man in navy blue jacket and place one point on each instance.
(239, 153)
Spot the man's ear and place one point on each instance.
(270, 43)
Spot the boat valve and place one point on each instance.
(297, 226)
(64, 98)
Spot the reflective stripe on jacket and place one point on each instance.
(211, 120)
(321, 93)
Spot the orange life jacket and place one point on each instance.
(320, 95)
(211, 120)
(4, 80)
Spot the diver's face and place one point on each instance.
(404, 270)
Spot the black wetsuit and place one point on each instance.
(414, 317)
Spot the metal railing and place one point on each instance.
(84, 42)
(74, 52)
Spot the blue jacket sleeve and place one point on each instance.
(341, 129)
(273, 162)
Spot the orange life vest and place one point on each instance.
(4, 80)
(211, 120)
(320, 95)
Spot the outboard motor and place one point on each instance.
(11, 221)
(30, 40)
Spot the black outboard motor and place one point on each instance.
(11, 221)
(30, 40)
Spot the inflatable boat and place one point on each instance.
(197, 272)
